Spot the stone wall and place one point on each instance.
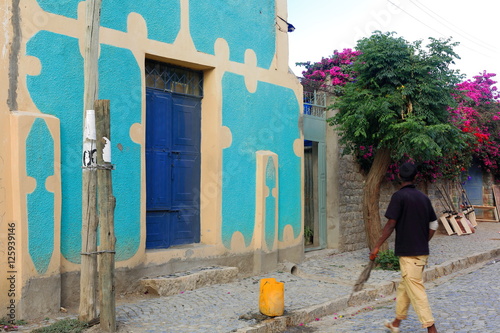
(350, 187)
(345, 181)
(351, 183)
(351, 225)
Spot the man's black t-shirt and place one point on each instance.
(413, 212)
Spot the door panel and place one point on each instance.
(157, 224)
(186, 182)
(159, 118)
(187, 124)
(186, 227)
(173, 169)
(158, 180)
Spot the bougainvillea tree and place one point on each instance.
(478, 113)
(398, 102)
(397, 107)
(331, 73)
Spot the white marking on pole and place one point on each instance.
(106, 151)
(89, 137)
(89, 132)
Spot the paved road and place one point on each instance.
(468, 301)
(320, 286)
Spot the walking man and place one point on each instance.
(410, 212)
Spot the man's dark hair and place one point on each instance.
(407, 172)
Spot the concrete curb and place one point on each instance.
(306, 315)
(173, 284)
(453, 266)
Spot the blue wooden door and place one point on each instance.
(474, 185)
(173, 132)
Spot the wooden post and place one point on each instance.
(106, 203)
(88, 271)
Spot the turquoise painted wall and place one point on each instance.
(162, 16)
(270, 203)
(264, 120)
(58, 90)
(243, 24)
(66, 8)
(40, 166)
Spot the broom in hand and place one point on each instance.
(363, 277)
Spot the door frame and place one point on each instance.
(187, 84)
(315, 130)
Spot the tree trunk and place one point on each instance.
(371, 197)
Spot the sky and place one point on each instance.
(322, 26)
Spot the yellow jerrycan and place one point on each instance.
(272, 297)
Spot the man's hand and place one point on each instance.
(386, 232)
(374, 253)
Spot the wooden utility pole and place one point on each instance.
(88, 272)
(106, 203)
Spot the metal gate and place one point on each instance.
(173, 132)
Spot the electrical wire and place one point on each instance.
(416, 19)
(452, 27)
(433, 29)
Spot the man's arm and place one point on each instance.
(386, 232)
(431, 233)
(432, 228)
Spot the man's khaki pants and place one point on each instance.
(411, 290)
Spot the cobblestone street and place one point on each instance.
(465, 302)
(463, 289)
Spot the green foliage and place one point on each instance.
(399, 100)
(308, 232)
(308, 235)
(63, 326)
(387, 260)
(4, 322)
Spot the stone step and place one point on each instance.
(172, 284)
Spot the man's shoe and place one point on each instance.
(393, 329)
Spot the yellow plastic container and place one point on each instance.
(272, 297)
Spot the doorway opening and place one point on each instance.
(311, 199)
(173, 139)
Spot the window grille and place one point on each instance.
(315, 103)
(174, 79)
